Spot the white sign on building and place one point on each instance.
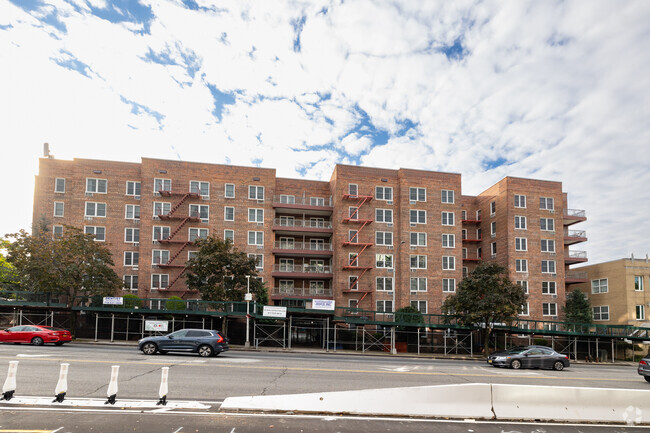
(156, 325)
(322, 304)
(278, 312)
(113, 300)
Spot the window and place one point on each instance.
(384, 284)
(131, 282)
(418, 239)
(463, 215)
(95, 185)
(640, 312)
(229, 213)
(520, 222)
(548, 245)
(98, 232)
(599, 286)
(255, 215)
(601, 312)
(159, 257)
(201, 188)
(353, 236)
(546, 203)
(465, 271)
(133, 188)
(316, 201)
(448, 285)
(384, 306)
(192, 254)
(493, 208)
(256, 238)
(255, 192)
(288, 199)
(198, 233)
(353, 304)
(59, 184)
(353, 259)
(520, 201)
(418, 284)
(638, 283)
(57, 232)
(353, 189)
(524, 310)
(421, 306)
(95, 209)
(464, 253)
(159, 281)
(521, 244)
(493, 229)
(448, 263)
(418, 262)
(353, 212)
(259, 261)
(384, 261)
(549, 309)
(353, 282)
(316, 287)
(417, 194)
(448, 240)
(201, 211)
(524, 285)
(549, 288)
(384, 215)
(384, 238)
(547, 224)
(447, 196)
(162, 185)
(132, 212)
(447, 218)
(493, 249)
(160, 233)
(418, 216)
(131, 258)
(229, 235)
(131, 234)
(384, 193)
(521, 265)
(229, 190)
(161, 208)
(58, 208)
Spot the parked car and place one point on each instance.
(644, 368)
(35, 334)
(529, 357)
(202, 341)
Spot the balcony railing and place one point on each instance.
(303, 269)
(303, 201)
(303, 246)
(575, 234)
(577, 254)
(577, 275)
(301, 291)
(575, 213)
(302, 223)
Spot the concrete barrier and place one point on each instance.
(453, 401)
(556, 403)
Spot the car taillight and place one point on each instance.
(642, 362)
(220, 340)
(566, 357)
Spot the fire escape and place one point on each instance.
(353, 264)
(172, 240)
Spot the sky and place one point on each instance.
(549, 90)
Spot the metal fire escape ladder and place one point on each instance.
(361, 246)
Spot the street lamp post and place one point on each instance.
(248, 298)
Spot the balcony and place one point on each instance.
(301, 292)
(471, 259)
(302, 271)
(300, 226)
(575, 278)
(472, 240)
(573, 257)
(574, 236)
(302, 249)
(471, 221)
(573, 216)
(298, 205)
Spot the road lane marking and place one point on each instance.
(27, 355)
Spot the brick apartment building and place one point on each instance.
(371, 238)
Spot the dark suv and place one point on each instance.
(202, 341)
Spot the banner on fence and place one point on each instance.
(113, 300)
(280, 312)
(156, 325)
(322, 304)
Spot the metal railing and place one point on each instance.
(302, 291)
(575, 234)
(580, 213)
(306, 201)
(576, 276)
(305, 269)
(283, 245)
(302, 223)
(577, 254)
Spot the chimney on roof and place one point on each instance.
(46, 151)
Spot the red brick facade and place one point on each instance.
(373, 238)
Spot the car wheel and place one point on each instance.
(59, 343)
(558, 366)
(515, 364)
(37, 341)
(647, 378)
(149, 348)
(205, 351)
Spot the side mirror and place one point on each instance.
(171, 337)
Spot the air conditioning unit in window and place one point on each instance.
(413, 270)
(135, 268)
(412, 202)
(260, 201)
(205, 197)
(137, 197)
(554, 296)
(390, 271)
(156, 194)
(390, 247)
(89, 194)
(135, 244)
(260, 224)
(413, 247)
(389, 225)
(88, 218)
(389, 201)
(260, 247)
(155, 242)
(413, 224)
(551, 210)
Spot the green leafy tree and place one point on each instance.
(408, 315)
(486, 296)
(175, 303)
(577, 308)
(218, 271)
(132, 301)
(8, 276)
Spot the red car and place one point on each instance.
(36, 335)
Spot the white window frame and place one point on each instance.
(197, 209)
(96, 209)
(546, 203)
(521, 244)
(229, 234)
(317, 201)
(417, 216)
(130, 285)
(162, 281)
(383, 286)
(59, 205)
(544, 224)
(225, 190)
(448, 240)
(226, 209)
(158, 256)
(56, 185)
(420, 194)
(98, 188)
(420, 239)
(418, 303)
(549, 288)
(259, 260)
(523, 284)
(258, 238)
(384, 305)
(493, 208)
(547, 245)
(638, 283)
(520, 222)
(257, 214)
(199, 186)
(520, 201)
(136, 186)
(448, 285)
(418, 284)
(601, 283)
(197, 233)
(525, 310)
(448, 219)
(254, 192)
(549, 267)
(549, 309)
(131, 258)
(384, 238)
(447, 196)
(163, 205)
(162, 184)
(134, 215)
(384, 213)
(603, 313)
(420, 261)
(386, 193)
(639, 312)
(162, 233)
(287, 199)
(493, 229)
(448, 263)
(384, 261)
(133, 231)
(353, 189)
(57, 231)
(521, 265)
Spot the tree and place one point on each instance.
(485, 297)
(577, 308)
(218, 271)
(175, 303)
(8, 276)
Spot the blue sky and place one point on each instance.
(547, 89)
